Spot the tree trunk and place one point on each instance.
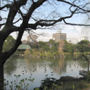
(1, 77)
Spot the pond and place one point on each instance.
(24, 73)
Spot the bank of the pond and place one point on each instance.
(39, 54)
(66, 83)
(48, 54)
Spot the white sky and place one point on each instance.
(74, 33)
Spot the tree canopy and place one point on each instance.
(9, 43)
(83, 46)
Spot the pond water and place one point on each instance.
(24, 73)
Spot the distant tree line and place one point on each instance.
(82, 46)
(52, 46)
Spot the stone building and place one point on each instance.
(59, 37)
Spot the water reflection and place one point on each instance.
(10, 65)
(59, 65)
(30, 72)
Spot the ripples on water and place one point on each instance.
(26, 74)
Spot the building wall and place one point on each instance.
(59, 36)
(63, 36)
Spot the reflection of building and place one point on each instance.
(59, 66)
(59, 36)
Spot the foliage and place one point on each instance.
(8, 44)
(43, 46)
(51, 48)
(45, 49)
(88, 77)
(46, 46)
(27, 52)
(68, 47)
(83, 46)
(63, 85)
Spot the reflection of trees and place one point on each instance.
(80, 59)
(33, 64)
(10, 65)
(84, 47)
(83, 63)
(59, 65)
(86, 58)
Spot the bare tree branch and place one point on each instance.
(49, 22)
(74, 5)
(76, 24)
(5, 6)
(13, 10)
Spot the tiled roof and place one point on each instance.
(24, 46)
